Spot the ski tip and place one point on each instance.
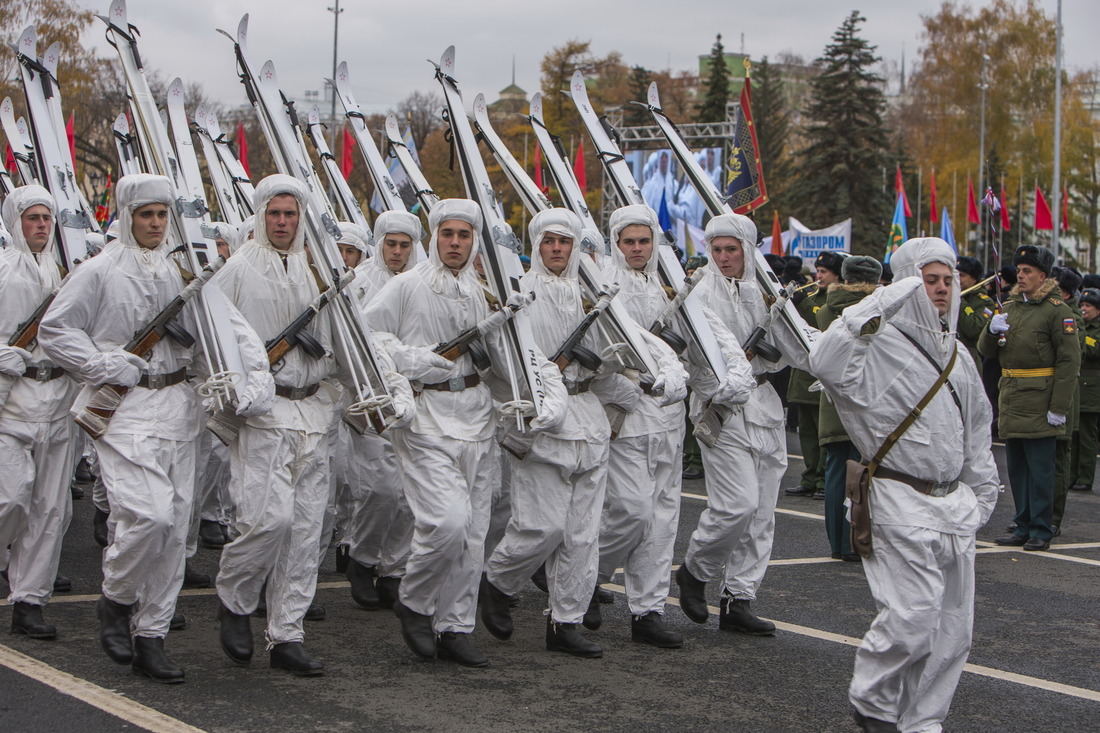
(120, 123)
(242, 29)
(480, 108)
(577, 84)
(175, 89)
(200, 114)
(267, 73)
(342, 73)
(653, 97)
(536, 106)
(6, 107)
(28, 43)
(393, 131)
(447, 61)
(117, 15)
(52, 58)
(315, 115)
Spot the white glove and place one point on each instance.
(550, 419)
(520, 300)
(13, 361)
(404, 410)
(258, 396)
(672, 388)
(1055, 419)
(118, 367)
(422, 365)
(735, 389)
(999, 324)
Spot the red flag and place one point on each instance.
(1065, 210)
(746, 191)
(1006, 225)
(9, 158)
(578, 168)
(103, 209)
(777, 236)
(538, 169)
(899, 188)
(971, 205)
(242, 148)
(345, 157)
(72, 139)
(1043, 219)
(935, 206)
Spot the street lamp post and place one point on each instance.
(335, 10)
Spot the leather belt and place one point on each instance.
(160, 381)
(928, 488)
(297, 393)
(579, 387)
(454, 384)
(1040, 372)
(43, 374)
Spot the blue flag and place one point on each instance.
(946, 234)
(898, 231)
(663, 217)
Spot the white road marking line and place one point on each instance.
(790, 512)
(1049, 554)
(998, 674)
(98, 697)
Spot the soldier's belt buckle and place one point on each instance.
(44, 374)
(941, 489)
(456, 384)
(156, 381)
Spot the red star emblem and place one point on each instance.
(118, 12)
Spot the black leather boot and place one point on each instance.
(416, 630)
(211, 534)
(496, 610)
(539, 579)
(292, 657)
(606, 597)
(343, 558)
(736, 616)
(387, 587)
(26, 618)
(114, 629)
(567, 638)
(872, 725)
(99, 527)
(235, 635)
(178, 622)
(459, 647)
(61, 584)
(650, 629)
(193, 578)
(361, 578)
(316, 612)
(593, 617)
(83, 473)
(151, 661)
(693, 595)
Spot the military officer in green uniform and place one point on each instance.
(1037, 344)
(1083, 457)
(976, 307)
(1069, 283)
(861, 276)
(828, 266)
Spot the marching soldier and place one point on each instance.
(1036, 341)
(1085, 441)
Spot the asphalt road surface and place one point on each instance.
(1033, 665)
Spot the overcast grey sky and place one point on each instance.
(387, 57)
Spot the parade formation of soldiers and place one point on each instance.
(459, 503)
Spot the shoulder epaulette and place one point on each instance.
(1057, 301)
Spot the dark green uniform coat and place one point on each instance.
(1042, 334)
(974, 313)
(829, 428)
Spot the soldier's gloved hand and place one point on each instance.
(118, 367)
(520, 300)
(13, 360)
(1055, 419)
(999, 323)
(258, 396)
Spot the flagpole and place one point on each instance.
(1057, 136)
(1020, 218)
(920, 192)
(981, 155)
(954, 199)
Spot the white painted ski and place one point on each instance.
(342, 192)
(25, 162)
(424, 192)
